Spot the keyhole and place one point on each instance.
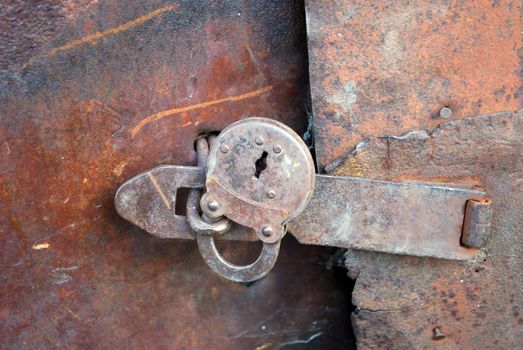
(261, 165)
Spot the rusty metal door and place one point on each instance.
(95, 92)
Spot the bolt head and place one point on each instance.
(437, 334)
(271, 194)
(259, 140)
(213, 205)
(277, 149)
(445, 112)
(224, 148)
(267, 231)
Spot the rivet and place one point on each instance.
(445, 112)
(224, 148)
(213, 205)
(259, 140)
(267, 231)
(277, 149)
(271, 194)
(437, 334)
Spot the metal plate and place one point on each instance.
(397, 218)
(380, 73)
(475, 304)
(76, 275)
(402, 301)
(382, 68)
(346, 212)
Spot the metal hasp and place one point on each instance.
(399, 218)
(260, 175)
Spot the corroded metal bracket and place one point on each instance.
(420, 219)
(391, 217)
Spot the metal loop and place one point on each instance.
(238, 273)
(202, 151)
(200, 225)
(197, 223)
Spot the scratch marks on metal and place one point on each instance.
(413, 135)
(344, 223)
(159, 190)
(40, 246)
(302, 341)
(119, 168)
(263, 346)
(61, 274)
(93, 38)
(71, 312)
(136, 129)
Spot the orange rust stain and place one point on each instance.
(136, 129)
(159, 190)
(474, 180)
(351, 167)
(119, 168)
(92, 38)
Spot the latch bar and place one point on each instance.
(398, 218)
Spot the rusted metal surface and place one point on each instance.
(476, 227)
(95, 92)
(389, 67)
(403, 302)
(397, 218)
(392, 85)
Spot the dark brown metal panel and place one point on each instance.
(94, 92)
(388, 67)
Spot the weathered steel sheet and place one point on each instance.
(381, 72)
(388, 67)
(95, 92)
(400, 301)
